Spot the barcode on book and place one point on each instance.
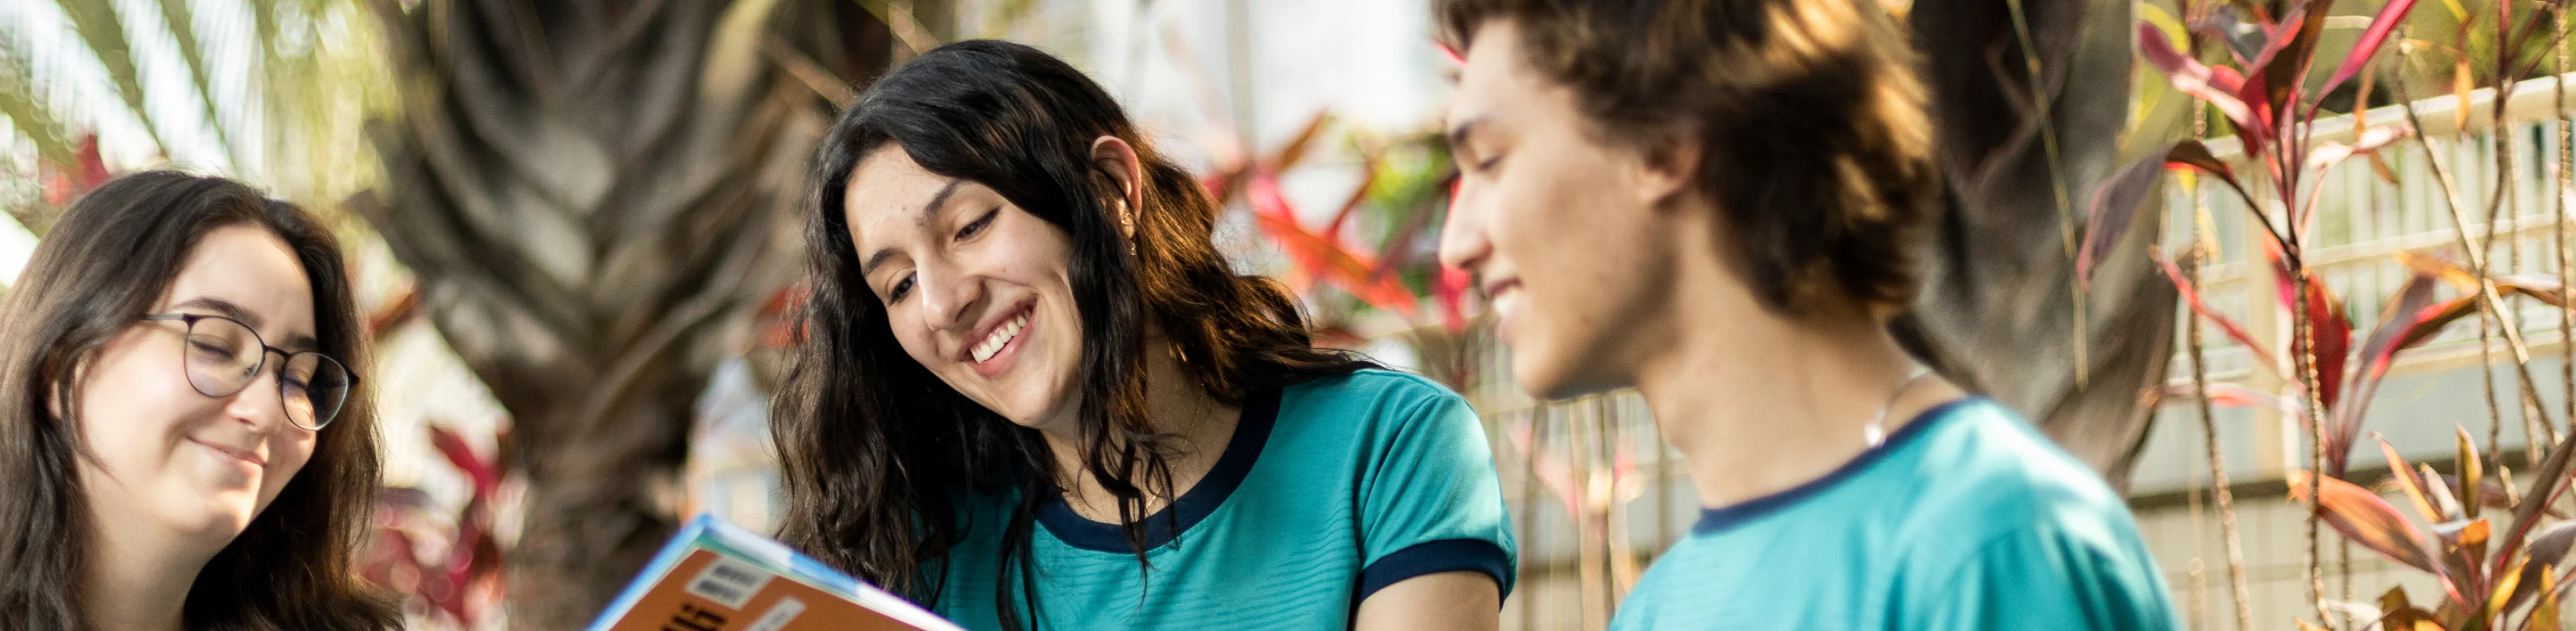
(729, 582)
(778, 615)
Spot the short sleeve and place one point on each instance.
(1428, 497)
(2047, 578)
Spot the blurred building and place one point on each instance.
(733, 464)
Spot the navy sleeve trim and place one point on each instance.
(1433, 557)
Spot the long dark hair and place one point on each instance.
(877, 450)
(100, 269)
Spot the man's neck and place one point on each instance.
(1763, 405)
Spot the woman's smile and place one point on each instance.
(994, 354)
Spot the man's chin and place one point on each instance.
(1555, 380)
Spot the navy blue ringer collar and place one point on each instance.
(1251, 431)
(1715, 520)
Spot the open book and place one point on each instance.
(715, 576)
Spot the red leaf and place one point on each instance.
(1293, 152)
(1322, 258)
(2430, 320)
(2404, 475)
(2193, 154)
(2113, 205)
(779, 320)
(2448, 272)
(2330, 335)
(2217, 86)
(64, 183)
(2191, 295)
(1350, 207)
(2381, 26)
(2365, 519)
(2542, 288)
(2259, 113)
(1451, 288)
(485, 475)
(2548, 551)
(2396, 323)
(2291, 44)
(2328, 154)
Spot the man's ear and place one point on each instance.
(1668, 168)
(1116, 159)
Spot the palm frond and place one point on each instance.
(183, 31)
(25, 108)
(104, 32)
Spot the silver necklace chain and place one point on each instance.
(1875, 433)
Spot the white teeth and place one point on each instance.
(1000, 337)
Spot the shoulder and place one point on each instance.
(1985, 458)
(1369, 392)
(1987, 474)
(1370, 418)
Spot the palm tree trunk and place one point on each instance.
(1996, 314)
(592, 195)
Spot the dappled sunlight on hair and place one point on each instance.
(1816, 147)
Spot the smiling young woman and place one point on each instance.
(181, 439)
(1032, 394)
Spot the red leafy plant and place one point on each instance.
(2489, 579)
(2263, 100)
(446, 566)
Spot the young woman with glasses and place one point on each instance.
(1033, 395)
(182, 440)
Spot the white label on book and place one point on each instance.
(778, 615)
(729, 582)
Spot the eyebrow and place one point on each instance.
(230, 309)
(938, 201)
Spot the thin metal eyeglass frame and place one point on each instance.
(191, 319)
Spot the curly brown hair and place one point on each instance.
(1815, 145)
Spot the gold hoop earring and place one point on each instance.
(1127, 223)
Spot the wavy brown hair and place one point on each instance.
(106, 263)
(878, 452)
(1814, 141)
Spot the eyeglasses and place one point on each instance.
(223, 356)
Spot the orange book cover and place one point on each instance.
(714, 576)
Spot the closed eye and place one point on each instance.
(902, 287)
(978, 225)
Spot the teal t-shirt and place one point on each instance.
(1329, 490)
(1964, 519)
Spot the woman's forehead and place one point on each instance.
(251, 268)
(889, 193)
